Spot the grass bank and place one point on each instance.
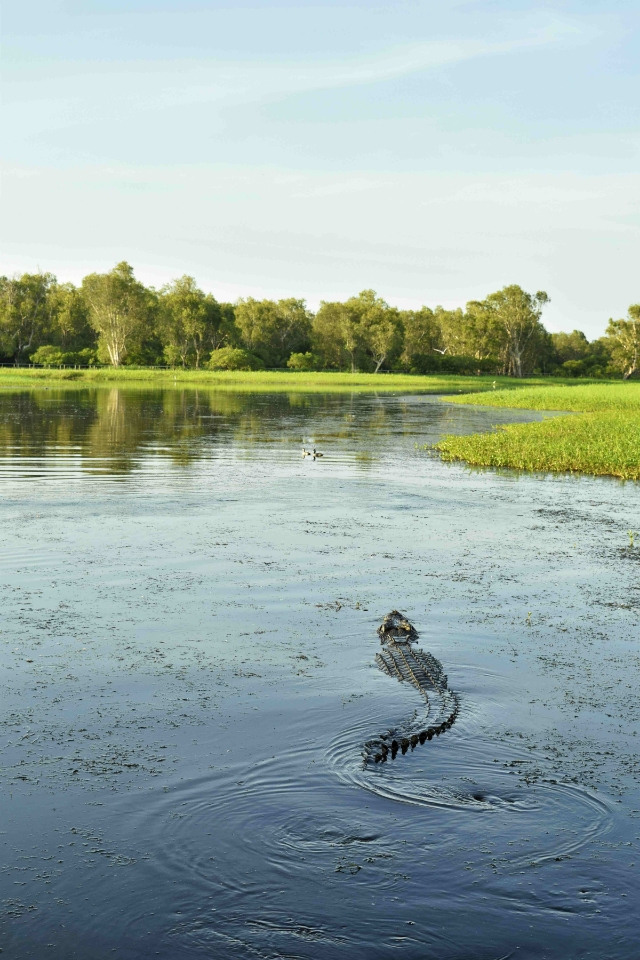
(603, 439)
(273, 380)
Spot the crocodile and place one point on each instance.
(407, 663)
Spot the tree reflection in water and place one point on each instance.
(112, 429)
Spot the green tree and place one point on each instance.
(516, 316)
(273, 329)
(421, 337)
(337, 335)
(26, 307)
(187, 316)
(120, 308)
(364, 330)
(624, 336)
(482, 331)
(379, 327)
(70, 327)
(570, 346)
(328, 335)
(454, 332)
(292, 333)
(600, 357)
(226, 333)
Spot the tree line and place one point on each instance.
(112, 318)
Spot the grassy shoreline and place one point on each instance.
(272, 380)
(603, 439)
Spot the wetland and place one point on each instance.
(188, 677)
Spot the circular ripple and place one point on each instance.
(477, 776)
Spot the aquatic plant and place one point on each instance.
(604, 439)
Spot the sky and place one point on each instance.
(433, 150)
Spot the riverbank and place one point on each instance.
(602, 440)
(271, 380)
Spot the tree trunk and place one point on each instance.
(516, 362)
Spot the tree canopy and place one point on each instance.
(625, 337)
(119, 307)
(113, 317)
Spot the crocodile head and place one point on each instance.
(395, 627)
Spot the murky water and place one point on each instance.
(187, 653)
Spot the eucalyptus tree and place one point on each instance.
(516, 316)
(188, 319)
(454, 331)
(483, 332)
(379, 327)
(120, 309)
(224, 332)
(363, 330)
(26, 306)
(624, 336)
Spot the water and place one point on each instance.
(188, 678)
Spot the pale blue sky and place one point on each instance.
(434, 151)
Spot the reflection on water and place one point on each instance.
(188, 675)
(118, 431)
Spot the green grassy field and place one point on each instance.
(603, 439)
(12, 377)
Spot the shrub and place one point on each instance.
(87, 357)
(303, 362)
(232, 358)
(48, 356)
(51, 356)
(452, 363)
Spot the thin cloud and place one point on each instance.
(229, 83)
(84, 91)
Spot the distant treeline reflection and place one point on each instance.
(112, 429)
